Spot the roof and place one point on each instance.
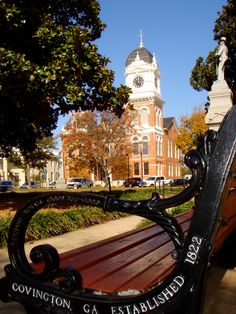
(168, 121)
(143, 54)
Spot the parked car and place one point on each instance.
(131, 182)
(77, 183)
(177, 182)
(52, 185)
(154, 180)
(6, 185)
(25, 186)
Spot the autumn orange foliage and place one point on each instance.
(97, 142)
(191, 129)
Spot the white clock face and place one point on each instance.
(138, 81)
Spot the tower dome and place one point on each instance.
(143, 55)
(142, 73)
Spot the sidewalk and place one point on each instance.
(221, 287)
(220, 291)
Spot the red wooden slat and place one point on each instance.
(94, 253)
(132, 260)
(120, 262)
(151, 276)
(122, 277)
(121, 269)
(136, 234)
(108, 250)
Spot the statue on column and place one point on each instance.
(220, 95)
(222, 54)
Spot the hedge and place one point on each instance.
(49, 223)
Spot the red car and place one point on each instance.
(131, 182)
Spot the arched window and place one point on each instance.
(146, 169)
(136, 169)
(135, 117)
(144, 116)
(145, 145)
(159, 121)
(135, 149)
(168, 148)
(159, 146)
(135, 146)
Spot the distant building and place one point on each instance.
(171, 155)
(8, 171)
(52, 172)
(153, 148)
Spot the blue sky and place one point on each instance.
(178, 32)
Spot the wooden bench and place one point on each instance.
(157, 269)
(133, 260)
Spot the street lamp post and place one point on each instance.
(128, 164)
(141, 159)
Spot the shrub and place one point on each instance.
(4, 228)
(182, 208)
(48, 223)
(172, 211)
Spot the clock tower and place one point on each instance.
(142, 75)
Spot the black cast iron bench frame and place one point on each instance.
(61, 290)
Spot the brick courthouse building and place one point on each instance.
(154, 152)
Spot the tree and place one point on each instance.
(49, 65)
(190, 130)
(37, 158)
(204, 72)
(97, 140)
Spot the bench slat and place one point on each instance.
(104, 249)
(119, 262)
(131, 264)
(128, 277)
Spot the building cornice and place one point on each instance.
(148, 129)
(156, 100)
